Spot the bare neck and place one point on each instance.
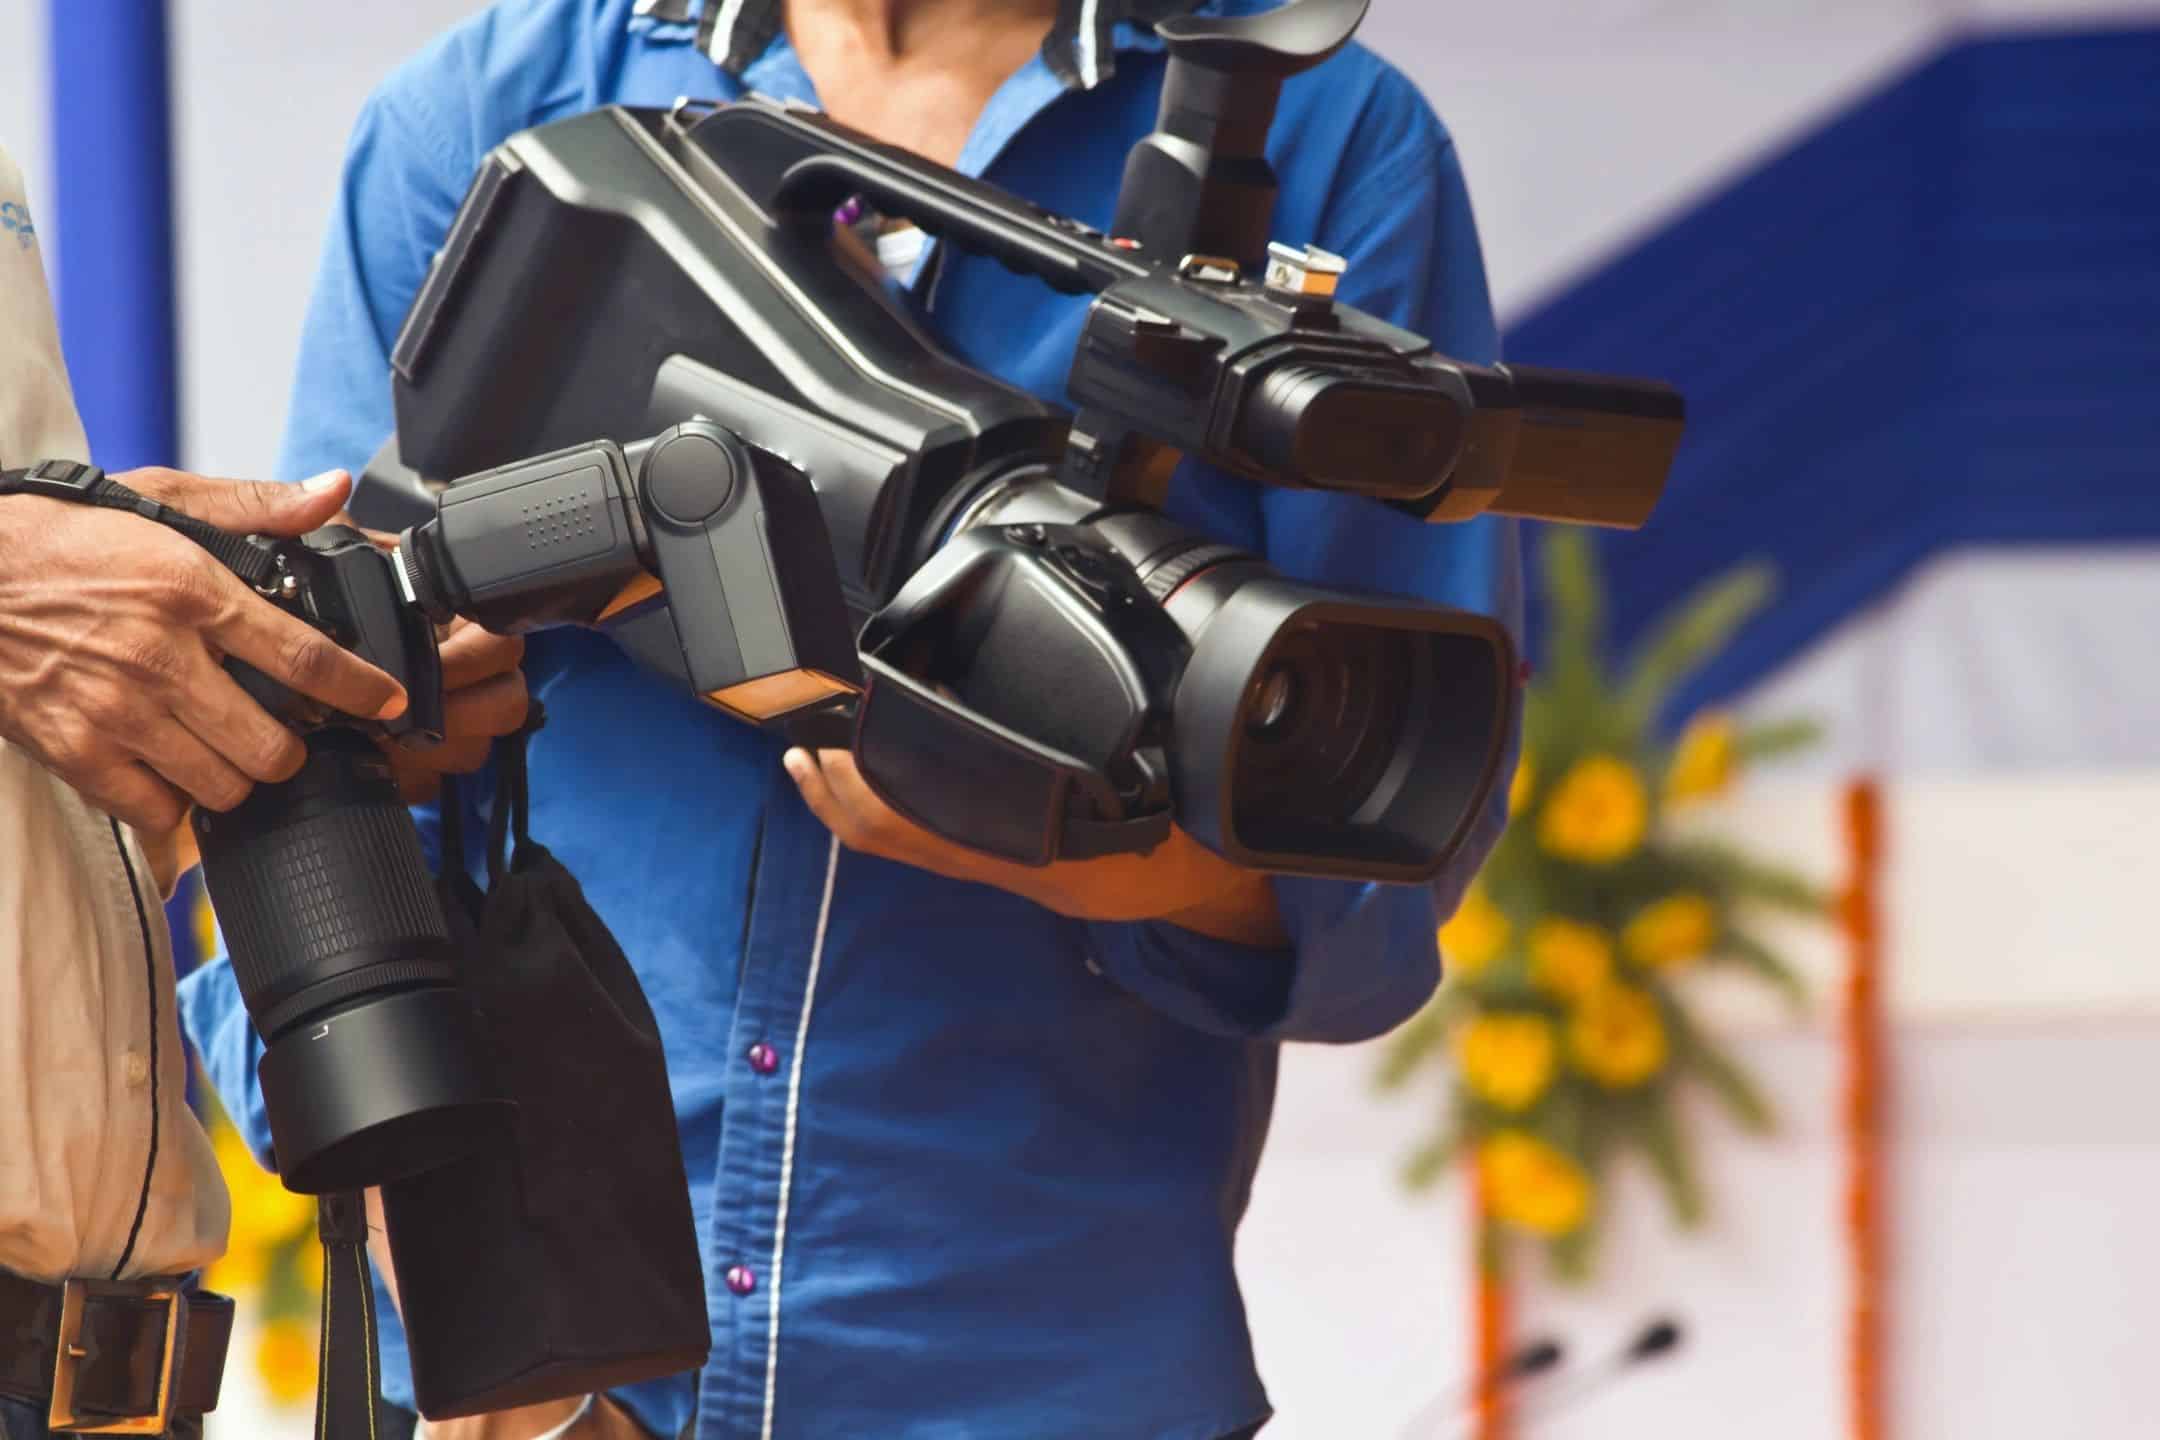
(899, 30)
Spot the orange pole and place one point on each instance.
(1489, 1323)
(1863, 1111)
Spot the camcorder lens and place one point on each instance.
(1278, 696)
(1325, 718)
(1319, 733)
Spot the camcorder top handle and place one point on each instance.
(1200, 186)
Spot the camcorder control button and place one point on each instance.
(690, 478)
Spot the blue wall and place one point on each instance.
(1933, 322)
(111, 127)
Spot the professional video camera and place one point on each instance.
(1053, 668)
(839, 531)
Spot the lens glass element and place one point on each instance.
(1322, 720)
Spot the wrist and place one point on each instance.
(1243, 912)
(556, 1420)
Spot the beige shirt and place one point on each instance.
(86, 969)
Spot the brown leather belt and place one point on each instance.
(112, 1358)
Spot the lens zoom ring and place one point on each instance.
(1164, 579)
(298, 897)
(394, 975)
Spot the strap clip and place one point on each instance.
(55, 480)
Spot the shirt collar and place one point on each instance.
(1080, 50)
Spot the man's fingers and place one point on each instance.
(493, 707)
(299, 657)
(809, 778)
(131, 794)
(225, 717)
(173, 751)
(248, 507)
(849, 787)
(471, 654)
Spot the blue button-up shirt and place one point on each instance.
(990, 1186)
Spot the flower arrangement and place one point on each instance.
(272, 1266)
(1564, 1012)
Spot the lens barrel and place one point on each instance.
(372, 1067)
(1315, 732)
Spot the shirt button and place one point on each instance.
(741, 1279)
(134, 1067)
(763, 1058)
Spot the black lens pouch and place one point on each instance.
(564, 1260)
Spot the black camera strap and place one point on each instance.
(348, 1384)
(82, 484)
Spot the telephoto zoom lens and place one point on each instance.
(373, 1067)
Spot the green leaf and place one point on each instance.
(1574, 1255)
(1432, 1160)
(1710, 1064)
(1689, 638)
(1492, 1248)
(1421, 1038)
(1574, 587)
(1756, 743)
(1668, 1152)
(1725, 870)
(1757, 957)
(1570, 690)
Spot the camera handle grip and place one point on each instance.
(970, 216)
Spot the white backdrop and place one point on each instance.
(1580, 123)
(2027, 1164)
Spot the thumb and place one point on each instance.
(247, 507)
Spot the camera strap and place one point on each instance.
(348, 1384)
(81, 484)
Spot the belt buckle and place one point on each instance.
(75, 1298)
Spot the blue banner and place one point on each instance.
(112, 187)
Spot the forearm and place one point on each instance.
(1244, 912)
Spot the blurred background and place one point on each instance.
(1903, 256)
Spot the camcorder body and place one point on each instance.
(655, 384)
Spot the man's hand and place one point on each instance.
(483, 697)
(112, 630)
(1180, 880)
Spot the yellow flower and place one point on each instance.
(1672, 933)
(307, 1265)
(1474, 936)
(1596, 814)
(1506, 1060)
(1530, 1185)
(1704, 762)
(1569, 959)
(205, 927)
(1523, 786)
(285, 1358)
(1615, 1036)
(240, 1271)
(264, 1213)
